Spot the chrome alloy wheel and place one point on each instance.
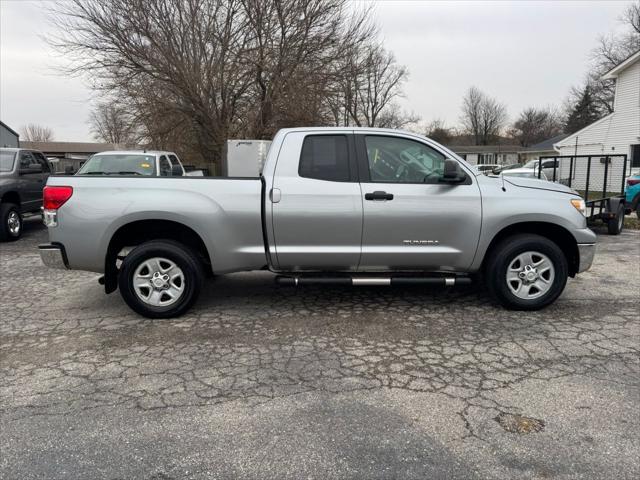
(158, 282)
(13, 223)
(530, 275)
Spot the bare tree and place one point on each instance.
(371, 80)
(472, 113)
(36, 133)
(204, 71)
(437, 130)
(535, 125)
(292, 51)
(482, 117)
(611, 50)
(112, 123)
(393, 116)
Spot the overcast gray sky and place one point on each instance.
(523, 53)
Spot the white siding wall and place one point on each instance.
(613, 134)
(472, 158)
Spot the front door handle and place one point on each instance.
(378, 195)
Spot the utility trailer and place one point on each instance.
(600, 179)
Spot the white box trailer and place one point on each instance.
(245, 158)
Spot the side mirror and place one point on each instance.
(452, 172)
(176, 171)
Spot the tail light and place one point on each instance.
(633, 181)
(53, 198)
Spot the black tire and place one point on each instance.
(9, 213)
(506, 252)
(615, 225)
(175, 252)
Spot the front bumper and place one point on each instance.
(586, 251)
(53, 256)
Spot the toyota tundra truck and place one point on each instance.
(352, 206)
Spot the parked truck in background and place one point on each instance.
(133, 162)
(23, 174)
(333, 205)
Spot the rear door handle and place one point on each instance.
(378, 195)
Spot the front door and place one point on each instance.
(316, 203)
(412, 221)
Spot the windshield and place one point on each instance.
(6, 161)
(531, 164)
(119, 164)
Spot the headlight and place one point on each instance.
(579, 205)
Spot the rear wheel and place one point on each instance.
(160, 279)
(616, 224)
(526, 272)
(10, 222)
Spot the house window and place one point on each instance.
(635, 156)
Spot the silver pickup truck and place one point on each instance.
(333, 205)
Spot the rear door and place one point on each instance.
(316, 203)
(46, 171)
(31, 181)
(411, 220)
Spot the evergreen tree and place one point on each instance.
(584, 112)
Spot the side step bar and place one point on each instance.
(368, 281)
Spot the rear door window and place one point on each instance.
(325, 157)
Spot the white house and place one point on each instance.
(488, 154)
(617, 133)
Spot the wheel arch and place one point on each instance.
(11, 197)
(554, 232)
(139, 231)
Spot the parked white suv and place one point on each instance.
(133, 162)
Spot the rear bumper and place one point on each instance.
(53, 256)
(586, 251)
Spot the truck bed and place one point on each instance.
(224, 212)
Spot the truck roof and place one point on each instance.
(351, 129)
(136, 152)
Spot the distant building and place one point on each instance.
(619, 132)
(542, 149)
(69, 156)
(8, 137)
(488, 154)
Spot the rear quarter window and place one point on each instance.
(325, 157)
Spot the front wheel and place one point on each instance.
(526, 272)
(160, 279)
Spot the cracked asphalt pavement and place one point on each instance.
(261, 381)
